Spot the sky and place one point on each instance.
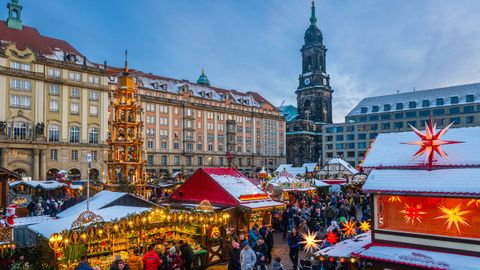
(375, 47)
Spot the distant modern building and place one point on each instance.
(312, 137)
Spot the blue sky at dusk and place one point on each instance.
(374, 47)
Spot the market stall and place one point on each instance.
(284, 186)
(7, 246)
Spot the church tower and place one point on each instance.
(14, 15)
(314, 95)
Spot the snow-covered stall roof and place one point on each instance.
(47, 228)
(47, 185)
(283, 178)
(97, 202)
(283, 167)
(419, 258)
(341, 162)
(442, 181)
(262, 204)
(236, 185)
(319, 183)
(389, 150)
(346, 247)
(309, 166)
(26, 221)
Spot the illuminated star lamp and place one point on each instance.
(331, 238)
(475, 202)
(412, 213)
(431, 142)
(310, 241)
(394, 199)
(365, 226)
(349, 228)
(454, 216)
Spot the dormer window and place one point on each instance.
(155, 85)
(387, 107)
(364, 110)
(375, 109)
(209, 94)
(412, 105)
(399, 106)
(470, 98)
(70, 58)
(440, 101)
(454, 100)
(425, 103)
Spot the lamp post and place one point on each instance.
(55, 242)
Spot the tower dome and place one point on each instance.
(313, 34)
(203, 80)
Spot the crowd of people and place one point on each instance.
(51, 206)
(161, 257)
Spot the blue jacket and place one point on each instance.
(294, 241)
(83, 266)
(252, 238)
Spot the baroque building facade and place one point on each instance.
(55, 104)
(314, 100)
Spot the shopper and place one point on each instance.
(122, 265)
(83, 264)
(187, 255)
(234, 262)
(277, 265)
(151, 261)
(294, 245)
(174, 259)
(135, 262)
(247, 258)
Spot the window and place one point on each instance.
(93, 80)
(362, 145)
(440, 102)
(454, 110)
(412, 104)
(350, 137)
(240, 161)
(74, 134)
(189, 146)
(455, 120)
(21, 66)
(20, 101)
(74, 155)
(351, 145)
(437, 112)
(150, 144)
(424, 113)
(362, 136)
(53, 105)
(339, 146)
(163, 160)
(94, 155)
(398, 115)
(200, 161)
(75, 92)
(93, 135)
(54, 89)
(387, 107)
(220, 148)
(398, 125)
(439, 121)
(75, 76)
(19, 131)
(54, 73)
(150, 159)
(468, 109)
(375, 109)
(470, 98)
(385, 125)
(176, 145)
(93, 110)
(339, 137)
(362, 119)
(469, 119)
(373, 118)
(53, 133)
(22, 85)
(176, 160)
(386, 116)
(399, 106)
(94, 95)
(363, 110)
(351, 154)
(373, 126)
(329, 146)
(454, 100)
(425, 103)
(372, 136)
(74, 108)
(53, 154)
(411, 114)
(329, 138)
(412, 123)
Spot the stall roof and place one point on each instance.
(389, 150)
(338, 181)
(283, 167)
(47, 228)
(26, 221)
(220, 186)
(459, 181)
(419, 258)
(47, 185)
(319, 183)
(262, 204)
(283, 177)
(346, 247)
(343, 163)
(105, 199)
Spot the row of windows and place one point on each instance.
(74, 132)
(73, 155)
(74, 92)
(200, 161)
(414, 114)
(351, 137)
(341, 146)
(413, 104)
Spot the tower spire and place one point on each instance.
(126, 61)
(313, 19)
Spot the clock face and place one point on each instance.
(306, 81)
(324, 81)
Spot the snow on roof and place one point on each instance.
(344, 164)
(25, 221)
(98, 201)
(388, 150)
(346, 247)
(47, 228)
(262, 204)
(420, 258)
(283, 167)
(444, 181)
(284, 178)
(320, 183)
(309, 166)
(461, 91)
(236, 185)
(47, 185)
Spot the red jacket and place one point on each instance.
(151, 261)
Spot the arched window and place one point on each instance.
(93, 174)
(74, 174)
(52, 173)
(21, 172)
(93, 135)
(306, 105)
(74, 134)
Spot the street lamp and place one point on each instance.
(55, 242)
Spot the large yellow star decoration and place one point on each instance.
(365, 226)
(310, 241)
(431, 142)
(453, 216)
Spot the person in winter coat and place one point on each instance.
(135, 262)
(285, 216)
(261, 263)
(247, 258)
(83, 264)
(253, 236)
(277, 265)
(242, 241)
(114, 265)
(187, 255)
(269, 242)
(174, 259)
(122, 265)
(261, 249)
(234, 262)
(294, 245)
(151, 261)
